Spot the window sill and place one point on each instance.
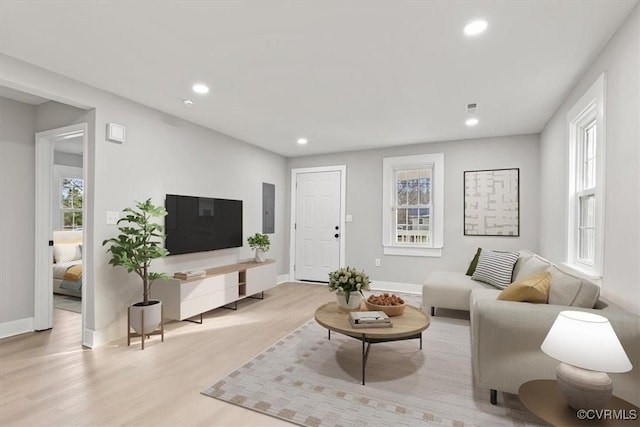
(412, 251)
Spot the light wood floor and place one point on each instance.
(48, 379)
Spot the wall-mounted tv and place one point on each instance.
(197, 224)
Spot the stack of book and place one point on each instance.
(191, 274)
(369, 319)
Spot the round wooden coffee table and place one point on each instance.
(407, 326)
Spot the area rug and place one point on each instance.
(309, 380)
(69, 303)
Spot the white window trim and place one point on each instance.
(591, 105)
(389, 165)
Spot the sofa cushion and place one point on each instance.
(65, 252)
(532, 264)
(495, 268)
(570, 290)
(448, 289)
(533, 288)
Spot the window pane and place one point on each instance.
(587, 244)
(401, 234)
(587, 211)
(589, 157)
(412, 187)
(401, 216)
(72, 220)
(71, 193)
(401, 188)
(425, 187)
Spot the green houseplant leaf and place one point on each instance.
(259, 241)
(139, 242)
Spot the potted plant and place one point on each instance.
(140, 242)
(261, 243)
(348, 283)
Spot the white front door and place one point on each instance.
(318, 225)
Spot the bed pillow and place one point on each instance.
(495, 268)
(533, 288)
(65, 252)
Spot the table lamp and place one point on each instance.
(587, 347)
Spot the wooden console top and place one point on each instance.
(229, 269)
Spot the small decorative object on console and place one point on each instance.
(189, 274)
(391, 305)
(261, 243)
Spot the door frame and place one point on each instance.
(43, 289)
(343, 202)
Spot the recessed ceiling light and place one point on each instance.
(302, 141)
(475, 27)
(187, 102)
(200, 88)
(471, 122)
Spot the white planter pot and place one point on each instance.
(355, 300)
(261, 256)
(152, 317)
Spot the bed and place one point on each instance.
(67, 263)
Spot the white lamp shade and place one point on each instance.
(586, 340)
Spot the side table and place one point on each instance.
(545, 400)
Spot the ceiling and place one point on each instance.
(346, 75)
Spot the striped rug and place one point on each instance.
(309, 380)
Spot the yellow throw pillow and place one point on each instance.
(533, 288)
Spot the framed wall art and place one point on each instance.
(492, 202)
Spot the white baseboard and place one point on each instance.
(16, 327)
(89, 338)
(409, 288)
(282, 278)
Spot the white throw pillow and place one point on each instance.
(495, 268)
(65, 252)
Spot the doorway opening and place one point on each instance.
(60, 229)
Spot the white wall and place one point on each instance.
(364, 202)
(162, 155)
(17, 204)
(620, 59)
(67, 159)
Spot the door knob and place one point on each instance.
(337, 228)
(336, 235)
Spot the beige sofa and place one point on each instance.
(506, 335)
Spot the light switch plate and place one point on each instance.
(348, 218)
(115, 132)
(112, 217)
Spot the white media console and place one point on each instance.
(183, 299)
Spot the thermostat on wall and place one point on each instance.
(115, 132)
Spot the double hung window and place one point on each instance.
(586, 181)
(413, 205)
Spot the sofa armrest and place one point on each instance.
(506, 338)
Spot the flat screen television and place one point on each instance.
(198, 224)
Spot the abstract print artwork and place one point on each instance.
(491, 202)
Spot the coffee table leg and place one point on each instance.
(365, 356)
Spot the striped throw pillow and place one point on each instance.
(495, 268)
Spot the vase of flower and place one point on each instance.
(354, 303)
(348, 283)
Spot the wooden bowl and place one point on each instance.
(390, 310)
